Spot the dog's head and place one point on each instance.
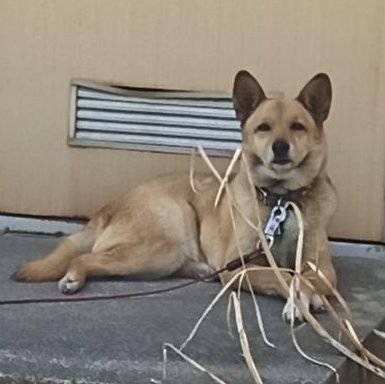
(283, 139)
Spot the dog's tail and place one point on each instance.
(55, 265)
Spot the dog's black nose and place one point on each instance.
(281, 151)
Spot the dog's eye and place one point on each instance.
(263, 128)
(297, 127)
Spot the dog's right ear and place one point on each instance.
(247, 95)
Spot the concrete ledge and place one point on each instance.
(121, 341)
(39, 225)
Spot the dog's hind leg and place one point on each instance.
(123, 260)
(54, 265)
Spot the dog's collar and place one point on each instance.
(271, 199)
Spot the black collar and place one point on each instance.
(271, 199)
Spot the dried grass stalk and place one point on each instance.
(365, 352)
(336, 294)
(209, 163)
(380, 334)
(207, 311)
(333, 342)
(246, 276)
(228, 317)
(346, 324)
(295, 290)
(299, 250)
(224, 289)
(226, 177)
(306, 356)
(192, 170)
(244, 341)
(189, 360)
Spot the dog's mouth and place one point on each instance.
(281, 164)
(282, 161)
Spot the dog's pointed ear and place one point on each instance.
(316, 97)
(247, 95)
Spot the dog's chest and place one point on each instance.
(285, 242)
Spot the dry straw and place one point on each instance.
(380, 334)
(363, 356)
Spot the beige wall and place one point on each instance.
(183, 44)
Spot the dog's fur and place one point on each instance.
(162, 228)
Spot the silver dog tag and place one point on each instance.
(277, 216)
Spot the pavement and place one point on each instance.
(120, 341)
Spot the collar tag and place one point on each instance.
(277, 216)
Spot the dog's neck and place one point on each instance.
(271, 199)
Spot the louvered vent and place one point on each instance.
(164, 121)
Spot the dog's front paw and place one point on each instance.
(202, 271)
(290, 311)
(69, 284)
(196, 270)
(316, 304)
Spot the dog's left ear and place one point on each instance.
(316, 97)
(247, 95)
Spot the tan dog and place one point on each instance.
(162, 228)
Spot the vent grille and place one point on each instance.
(161, 121)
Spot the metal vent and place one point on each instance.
(161, 121)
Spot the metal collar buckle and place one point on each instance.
(277, 216)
